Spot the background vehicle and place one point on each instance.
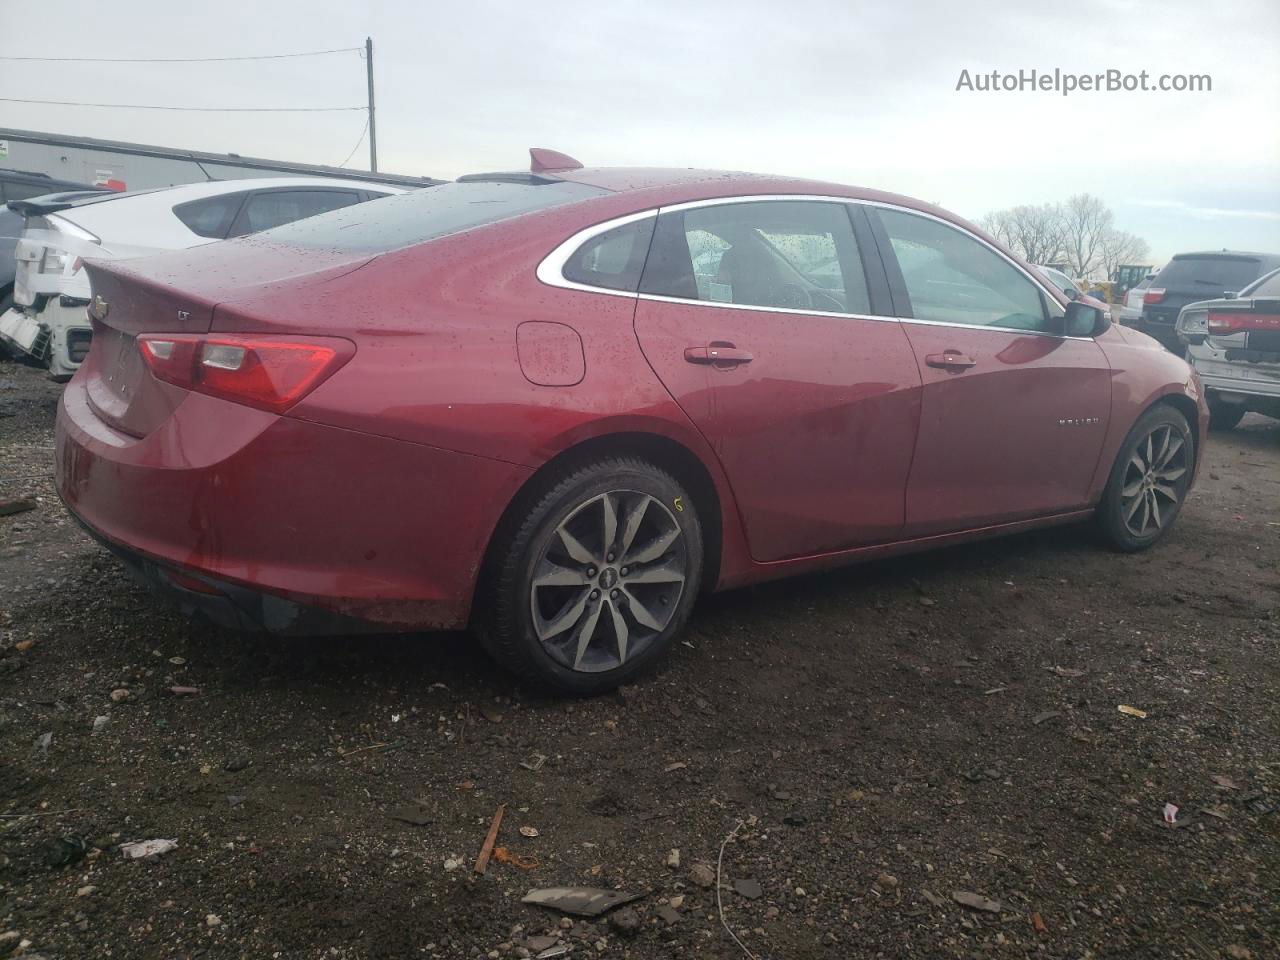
(1131, 309)
(22, 185)
(51, 288)
(1068, 286)
(1127, 276)
(1234, 344)
(554, 405)
(1191, 277)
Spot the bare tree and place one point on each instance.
(1086, 222)
(1036, 233)
(1119, 247)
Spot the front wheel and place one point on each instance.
(592, 586)
(1149, 480)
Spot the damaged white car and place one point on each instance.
(51, 289)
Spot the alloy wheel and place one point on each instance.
(1149, 494)
(609, 580)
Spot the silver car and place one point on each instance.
(1234, 344)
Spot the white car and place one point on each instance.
(51, 289)
(1131, 309)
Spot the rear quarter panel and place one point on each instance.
(437, 363)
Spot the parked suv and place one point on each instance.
(1190, 278)
(1234, 343)
(23, 185)
(51, 288)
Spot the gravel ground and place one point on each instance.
(882, 743)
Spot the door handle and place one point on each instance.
(717, 353)
(951, 360)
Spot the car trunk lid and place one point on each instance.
(177, 293)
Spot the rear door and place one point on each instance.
(1014, 414)
(760, 317)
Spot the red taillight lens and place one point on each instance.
(1240, 321)
(269, 372)
(1153, 295)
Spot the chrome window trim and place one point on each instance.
(551, 268)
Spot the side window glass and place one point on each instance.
(789, 254)
(210, 217)
(953, 278)
(272, 208)
(614, 259)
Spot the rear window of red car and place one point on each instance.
(420, 215)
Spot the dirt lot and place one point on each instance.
(887, 736)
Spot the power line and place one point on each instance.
(150, 106)
(265, 56)
(363, 131)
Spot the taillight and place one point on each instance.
(269, 372)
(1153, 295)
(1240, 321)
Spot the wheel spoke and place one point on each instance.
(641, 612)
(661, 573)
(635, 517)
(1150, 440)
(1171, 450)
(1155, 509)
(1144, 515)
(558, 576)
(567, 617)
(574, 547)
(1136, 461)
(1133, 508)
(655, 547)
(609, 531)
(1132, 489)
(1166, 491)
(622, 633)
(585, 631)
(1164, 447)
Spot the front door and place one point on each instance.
(758, 319)
(1014, 413)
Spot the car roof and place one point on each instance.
(1227, 254)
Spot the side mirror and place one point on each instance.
(1083, 320)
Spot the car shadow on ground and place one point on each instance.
(409, 662)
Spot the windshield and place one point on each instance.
(1208, 274)
(409, 218)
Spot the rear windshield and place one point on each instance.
(1210, 274)
(408, 218)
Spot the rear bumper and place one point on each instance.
(286, 525)
(1234, 376)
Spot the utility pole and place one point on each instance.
(373, 126)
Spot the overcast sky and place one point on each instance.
(861, 93)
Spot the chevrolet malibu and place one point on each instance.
(554, 406)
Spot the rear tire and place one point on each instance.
(1149, 480)
(1224, 416)
(559, 611)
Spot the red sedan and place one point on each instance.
(554, 406)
